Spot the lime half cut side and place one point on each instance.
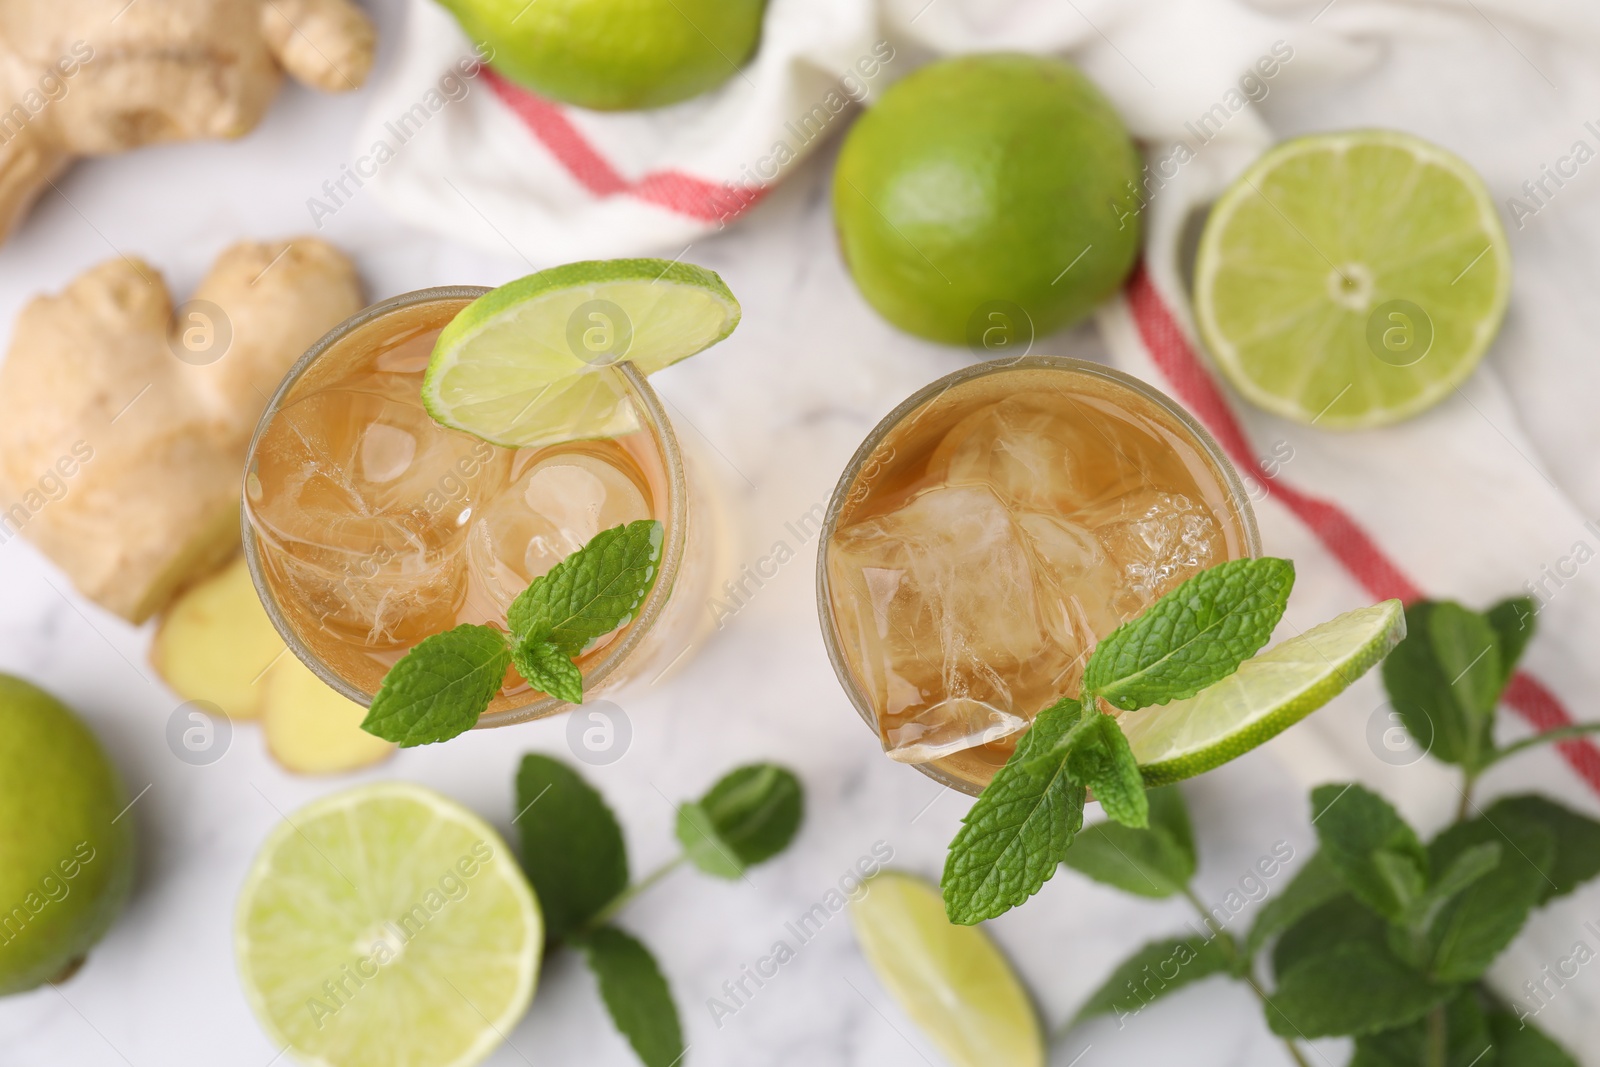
(1264, 697)
(1351, 280)
(533, 362)
(950, 980)
(387, 925)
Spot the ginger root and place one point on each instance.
(123, 433)
(310, 728)
(92, 77)
(215, 643)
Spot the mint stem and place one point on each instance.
(1549, 737)
(1231, 947)
(1469, 780)
(618, 902)
(1438, 1050)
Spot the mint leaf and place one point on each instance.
(1354, 825)
(1016, 834)
(1468, 652)
(440, 687)
(1344, 920)
(1350, 990)
(1194, 636)
(1316, 884)
(636, 995)
(1445, 680)
(548, 669)
(1146, 863)
(1467, 1040)
(749, 816)
(1513, 623)
(594, 590)
(1159, 968)
(572, 847)
(1577, 838)
(1518, 1043)
(1169, 814)
(1477, 924)
(1102, 760)
(1409, 938)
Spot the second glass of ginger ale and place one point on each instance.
(991, 530)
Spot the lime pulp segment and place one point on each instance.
(951, 980)
(533, 362)
(387, 926)
(1353, 279)
(1265, 696)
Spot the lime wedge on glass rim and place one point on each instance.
(533, 362)
(1264, 697)
(1350, 280)
(387, 925)
(950, 980)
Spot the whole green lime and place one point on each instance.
(65, 860)
(986, 184)
(614, 55)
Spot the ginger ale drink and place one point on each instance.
(991, 530)
(369, 526)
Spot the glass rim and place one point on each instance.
(656, 423)
(830, 631)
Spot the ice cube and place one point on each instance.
(550, 512)
(939, 610)
(365, 501)
(1076, 583)
(1026, 448)
(1155, 540)
(949, 727)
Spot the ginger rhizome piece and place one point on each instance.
(94, 77)
(123, 429)
(216, 643)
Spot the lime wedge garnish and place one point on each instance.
(387, 925)
(951, 980)
(1265, 696)
(533, 362)
(1352, 279)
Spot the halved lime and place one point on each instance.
(951, 980)
(1352, 279)
(387, 925)
(533, 362)
(1264, 697)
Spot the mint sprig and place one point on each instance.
(1018, 832)
(439, 688)
(574, 853)
(1379, 935)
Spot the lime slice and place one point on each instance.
(534, 362)
(387, 925)
(1265, 696)
(951, 980)
(1352, 279)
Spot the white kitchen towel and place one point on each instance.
(1483, 497)
(451, 147)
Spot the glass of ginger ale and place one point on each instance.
(991, 529)
(368, 526)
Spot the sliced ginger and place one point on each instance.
(216, 643)
(310, 728)
(122, 461)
